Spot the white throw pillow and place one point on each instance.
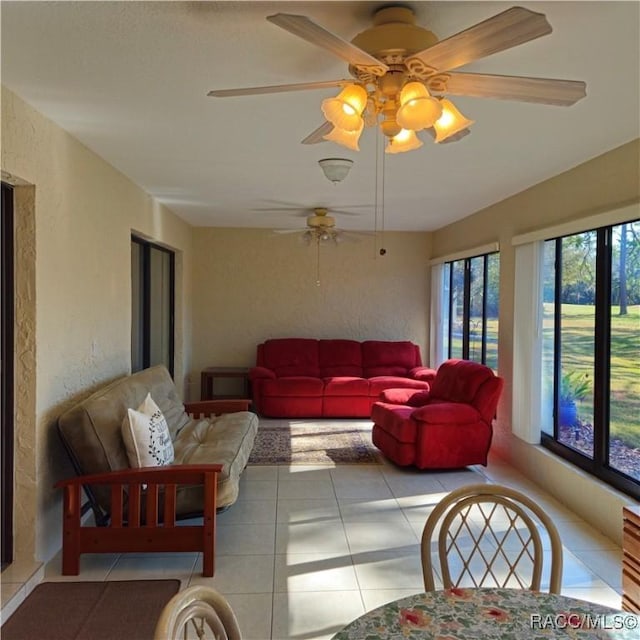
(146, 436)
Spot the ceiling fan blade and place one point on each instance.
(289, 230)
(352, 236)
(290, 211)
(317, 135)
(507, 29)
(562, 93)
(308, 30)
(343, 212)
(277, 88)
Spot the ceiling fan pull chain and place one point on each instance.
(317, 262)
(383, 251)
(375, 201)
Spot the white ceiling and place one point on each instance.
(129, 79)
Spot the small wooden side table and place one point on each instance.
(210, 374)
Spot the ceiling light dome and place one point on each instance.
(345, 110)
(418, 110)
(335, 169)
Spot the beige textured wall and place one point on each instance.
(250, 285)
(84, 212)
(606, 182)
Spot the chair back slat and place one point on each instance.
(489, 537)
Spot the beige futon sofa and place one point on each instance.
(150, 499)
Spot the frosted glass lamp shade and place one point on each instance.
(345, 110)
(347, 139)
(418, 110)
(406, 140)
(335, 169)
(450, 122)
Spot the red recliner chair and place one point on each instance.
(448, 426)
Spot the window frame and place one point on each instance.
(448, 271)
(146, 247)
(598, 464)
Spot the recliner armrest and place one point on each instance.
(447, 413)
(409, 397)
(423, 373)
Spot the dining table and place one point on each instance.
(491, 614)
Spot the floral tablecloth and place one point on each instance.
(491, 614)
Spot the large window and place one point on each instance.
(590, 387)
(470, 295)
(152, 305)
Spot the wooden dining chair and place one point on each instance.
(488, 536)
(198, 609)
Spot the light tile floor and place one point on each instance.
(305, 550)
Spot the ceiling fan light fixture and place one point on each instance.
(450, 122)
(335, 169)
(389, 124)
(345, 110)
(418, 110)
(406, 140)
(348, 139)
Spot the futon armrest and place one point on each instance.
(169, 474)
(216, 407)
(142, 514)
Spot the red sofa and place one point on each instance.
(308, 378)
(448, 426)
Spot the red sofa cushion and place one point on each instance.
(340, 358)
(302, 386)
(384, 358)
(291, 357)
(346, 386)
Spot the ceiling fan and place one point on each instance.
(291, 208)
(321, 228)
(402, 72)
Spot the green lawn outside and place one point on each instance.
(577, 355)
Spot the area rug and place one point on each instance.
(90, 611)
(314, 442)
